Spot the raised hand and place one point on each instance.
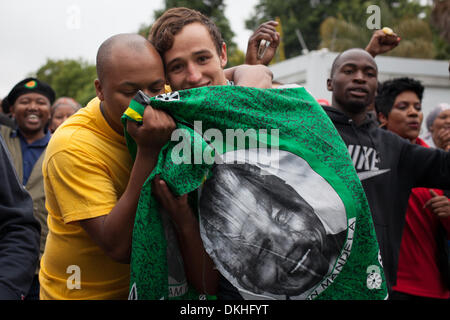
(442, 139)
(439, 205)
(267, 32)
(382, 42)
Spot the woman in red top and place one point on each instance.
(420, 274)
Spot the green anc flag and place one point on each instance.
(281, 210)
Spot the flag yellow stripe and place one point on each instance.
(133, 115)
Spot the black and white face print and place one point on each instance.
(274, 231)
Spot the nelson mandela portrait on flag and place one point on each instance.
(274, 233)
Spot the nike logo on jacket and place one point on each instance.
(365, 159)
(369, 174)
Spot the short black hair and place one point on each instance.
(336, 60)
(334, 65)
(390, 89)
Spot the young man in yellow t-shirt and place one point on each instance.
(93, 187)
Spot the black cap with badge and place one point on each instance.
(25, 86)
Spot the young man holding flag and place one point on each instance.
(93, 185)
(194, 56)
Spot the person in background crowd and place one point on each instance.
(381, 158)
(19, 233)
(422, 266)
(438, 126)
(62, 109)
(30, 102)
(5, 115)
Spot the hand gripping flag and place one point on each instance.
(281, 210)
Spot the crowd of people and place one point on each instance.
(71, 187)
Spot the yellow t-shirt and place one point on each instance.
(86, 170)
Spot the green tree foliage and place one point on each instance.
(339, 35)
(305, 15)
(70, 78)
(215, 10)
(339, 25)
(417, 39)
(439, 16)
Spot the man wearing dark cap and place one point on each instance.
(30, 102)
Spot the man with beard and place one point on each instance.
(387, 165)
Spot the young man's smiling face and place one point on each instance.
(193, 60)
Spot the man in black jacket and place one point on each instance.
(387, 165)
(19, 233)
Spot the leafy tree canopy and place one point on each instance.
(70, 78)
(339, 25)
